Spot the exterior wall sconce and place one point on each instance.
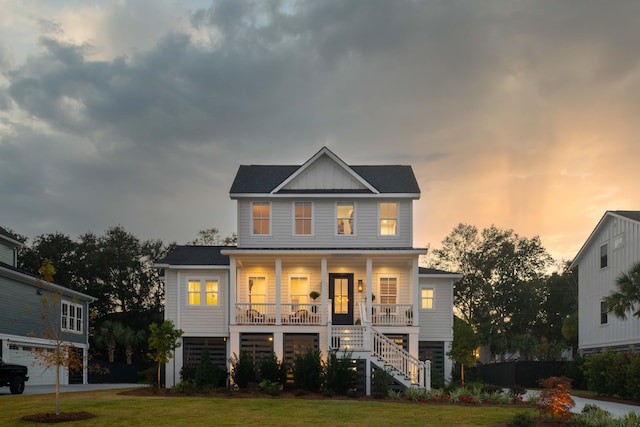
(359, 285)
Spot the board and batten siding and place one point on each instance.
(437, 324)
(324, 225)
(595, 283)
(22, 310)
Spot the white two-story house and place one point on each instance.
(325, 229)
(611, 250)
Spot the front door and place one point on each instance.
(341, 294)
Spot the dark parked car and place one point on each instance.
(13, 376)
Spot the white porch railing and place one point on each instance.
(413, 369)
(290, 314)
(392, 314)
(354, 338)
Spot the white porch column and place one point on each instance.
(416, 292)
(369, 289)
(232, 291)
(448, 363)
(278, 344)
(367, 376)
(278, 289)
(324, 289)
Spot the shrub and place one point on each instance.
(269, 387)
(207, 374)
(632, 377)
(523, 419)
(592, 416)
(188, 373)
(381, 382)
(415, 393)
(243, 369)
(554, 398)
(307, 370)
(184, 387)
(340, 373)
(273, 370)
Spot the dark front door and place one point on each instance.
(341, 294)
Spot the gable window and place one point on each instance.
(203, 291)
(257, 291)
(388, 291)
(618, 241)
(345, 218)
(261, 218)
(604, 313)
(299, 289)
(303, 213)
(604, 255)
(71, 319)
(426, 299)
(388, 218)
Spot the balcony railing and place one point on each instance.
(392, 314)
(290, 314)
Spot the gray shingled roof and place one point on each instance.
(5, 233)
(196, 255)
(423, 270)
(385, 178)
(634, 215)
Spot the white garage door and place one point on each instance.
(38, 374)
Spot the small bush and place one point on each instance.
(523, 419)
(340, 373)
(243, 369)
(554, 399)
(592, 416)
(381, 382)
(273, 370)
(269, 387)
(415, 393)
(207, 374)
(307, 371)
(184, 387)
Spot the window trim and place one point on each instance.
(381, 218)
(300, 276)
(66, 319)
(618, 241)
(264, 276)
(202, 291)
(295, 219)
(269, 219)
(604, 313)
(387, 276)
(433, 298)
(604, 259)
(354, 226)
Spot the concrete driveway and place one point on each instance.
(617, 410)
(45, 389)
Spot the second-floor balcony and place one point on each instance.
(311, 314)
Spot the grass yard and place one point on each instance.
(113, 409)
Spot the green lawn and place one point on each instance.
(113, 410)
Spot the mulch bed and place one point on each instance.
(63, 417)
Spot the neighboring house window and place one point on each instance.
(345, 218)
(388, 290)
(71, 320)
(261, 215)
(604, 314)
(604, 255)
(303, 212)
(299, 289)
(257, 291)
(426, 299)
(203, 291)
(388, 219)
(618, 241)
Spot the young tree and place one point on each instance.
(464, 345)
(627, 296)
(163, 340)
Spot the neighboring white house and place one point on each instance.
(21, 325)
(611, 250)
(343, 231)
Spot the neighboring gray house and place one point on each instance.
(21, 325)
(344, 232)
(612, 249)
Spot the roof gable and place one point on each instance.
(9, 238)
(195, 255)
(624, 215)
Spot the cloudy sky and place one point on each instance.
(522, 114)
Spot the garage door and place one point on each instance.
(38, 374)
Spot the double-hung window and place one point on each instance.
(426, 299)
(388, 218)
(299, 289)
(345, 218)
(261, 218)
(257, 292)
(303, 213)
(388, 293)
(604, 313)
(203, 291)
(71, 319)
(604, 255)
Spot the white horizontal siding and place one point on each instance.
(6, 255)
(595, 283)
(437, 324)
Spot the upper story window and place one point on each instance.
(303, 213)
(299, 289)
(604, 313)
(618, 241)
(426, 299)
(345, 218)
(261, 218)
(604, 255)
(203, 291)
(71, 319)
(388, 218)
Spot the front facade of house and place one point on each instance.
(323, 229)
(611, 250)
(24, 331)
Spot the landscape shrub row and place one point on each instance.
(613, 373)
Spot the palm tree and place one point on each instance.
(627, 297)
(131, 340)
(109, 336)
